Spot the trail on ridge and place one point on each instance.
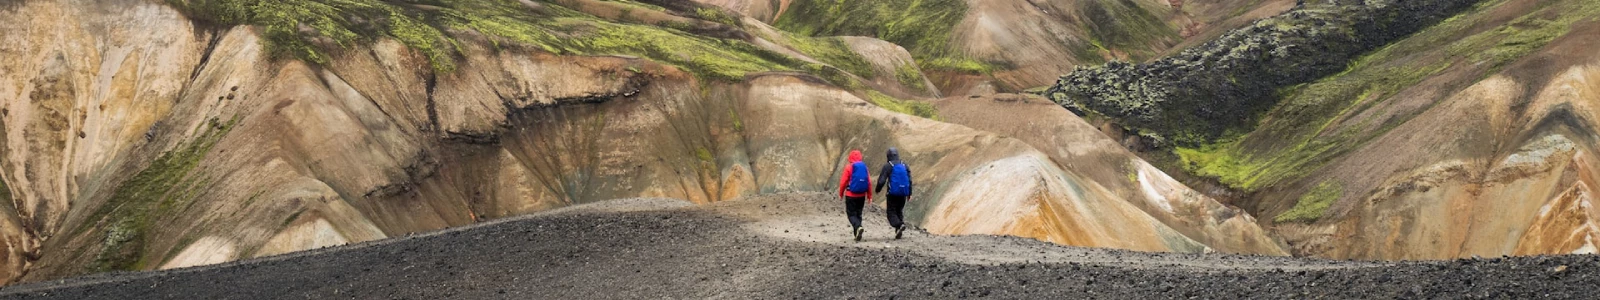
(791, 246)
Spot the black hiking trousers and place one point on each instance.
(852, 209)
(896, 204)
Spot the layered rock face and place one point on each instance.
(1470, 137)
(1100, 167)
(1485, 154)
(137, 139)
(1509, 173)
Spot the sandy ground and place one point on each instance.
(792, 246)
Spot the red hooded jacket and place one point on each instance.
(844, 181)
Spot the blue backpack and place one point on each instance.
(900, 181)
(858, 178)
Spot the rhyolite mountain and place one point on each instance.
(149, 134)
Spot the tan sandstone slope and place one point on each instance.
(1475, 137)
(136, 139)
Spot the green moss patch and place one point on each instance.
(1527, 34)
(911, 77)
(1123, 25)
(715, 15)
(921, 26)
(915, 108)
(830, 50)
(1313, 204)
(709, 58)
(1229, 166)
(956, 64)
(164, 187)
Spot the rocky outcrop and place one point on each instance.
(1195, 95)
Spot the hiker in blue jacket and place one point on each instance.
(897, 176)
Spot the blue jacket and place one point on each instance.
(883, 173)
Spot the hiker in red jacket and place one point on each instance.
(856, 189)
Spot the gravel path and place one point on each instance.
(794, 246)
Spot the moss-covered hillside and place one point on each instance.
(1085, 31)
(1266, 109)
(708, 41)
(921, 26)
(704, 41)
(1299, 135)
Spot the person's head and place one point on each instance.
(855, 155)
(894, 154)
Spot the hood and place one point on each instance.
(894, 154)
(855, 156)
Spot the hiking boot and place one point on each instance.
(858, 233)
(898, 230)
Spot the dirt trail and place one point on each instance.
(791, 246)
(814, 218)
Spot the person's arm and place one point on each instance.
(883, 176)
(869, 191)
(844, 181)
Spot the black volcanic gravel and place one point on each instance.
(702, 254)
